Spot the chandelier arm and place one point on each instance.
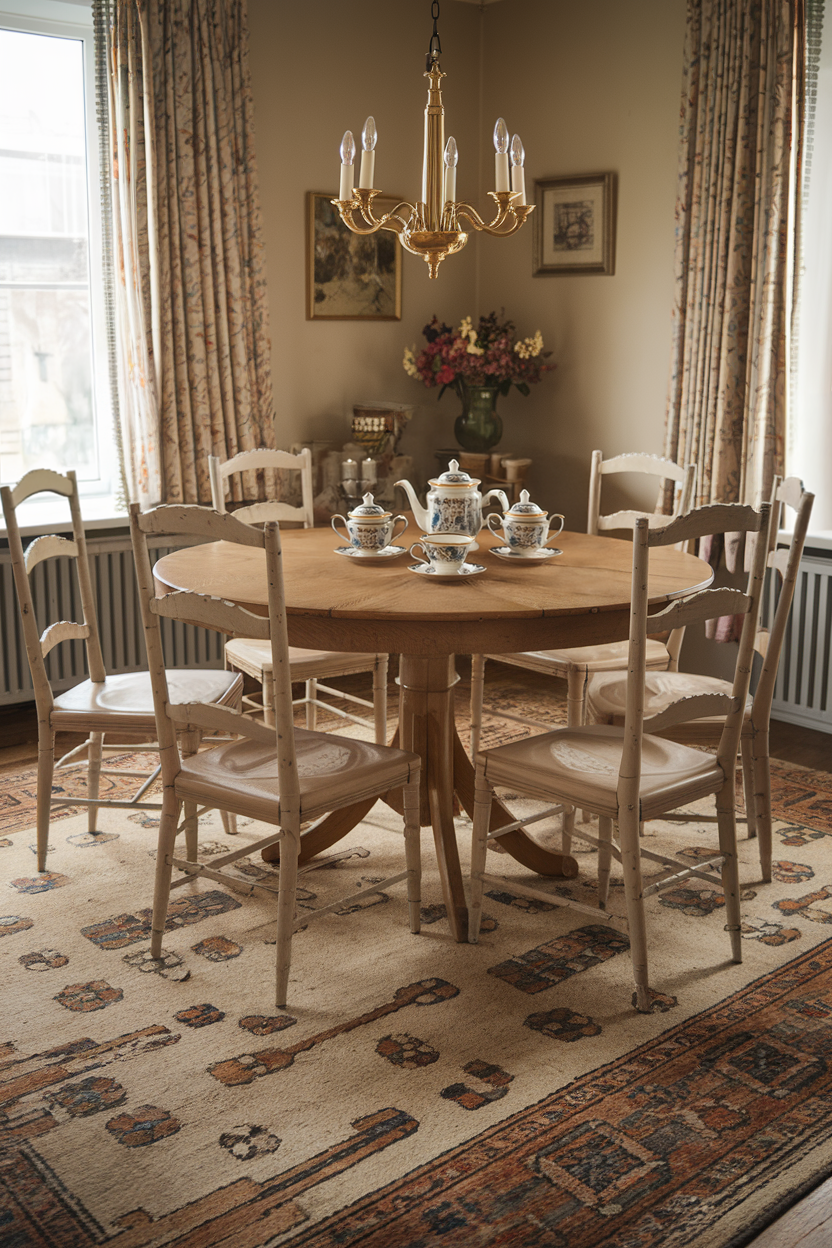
(390, 221)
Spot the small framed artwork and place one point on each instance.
(574, 226)
(350, 277)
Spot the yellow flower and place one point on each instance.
(409, 362)
(529, 347)
(472, 347)
(465, 328)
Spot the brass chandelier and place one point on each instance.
(431, 227)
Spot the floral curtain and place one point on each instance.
(191, 306)
(734, 214)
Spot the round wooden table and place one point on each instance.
(334, 602)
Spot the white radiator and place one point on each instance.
(803, 692)
(55, 592)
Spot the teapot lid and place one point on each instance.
(368, 508)
(524, 507)
(454, 476)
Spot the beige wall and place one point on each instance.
(592, 86)
(319, 68)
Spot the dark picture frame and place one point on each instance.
(574, 225)
(350, 277)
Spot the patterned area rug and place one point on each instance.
(415, 1091)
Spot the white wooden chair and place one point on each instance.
(624, 775)
(606, 692)
(280, 775)
(247, 655)
(101, 704)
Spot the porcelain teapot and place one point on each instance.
(454, 504)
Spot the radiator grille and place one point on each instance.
(803, 691)
(56, 597)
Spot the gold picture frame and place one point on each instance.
(574, 225)
(350, 277)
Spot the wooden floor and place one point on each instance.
(808, 1224)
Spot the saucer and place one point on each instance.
(369, 556)
(467, 569)
(539, 556)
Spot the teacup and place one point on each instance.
(444, 553)
(526, 527)
(369, 527)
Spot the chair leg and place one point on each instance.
(762, 800)
(477, 690)
(727, 826)
(189, 745)
(311, 705)
(631, 863)
(286, 895)
(229, 823)
(575, 686)
(747, 749)
(268, 699)
(164, 866)
(604, 860)
(95, 747)
(46, 768)
(413, 853)
(380, 699)
(479, 849)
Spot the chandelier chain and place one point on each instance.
(435, 47)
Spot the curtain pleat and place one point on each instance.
(193, 311)
(734, 209)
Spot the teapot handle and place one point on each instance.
(498, 494)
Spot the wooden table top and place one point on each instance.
(334, 602)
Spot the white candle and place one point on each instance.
(349, 470)
(347, 158)
(368, 155)
(368, 470)
(518, 175)
(501, 155)
(451, 159)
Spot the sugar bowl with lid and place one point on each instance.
(526, 527)
(369, 528)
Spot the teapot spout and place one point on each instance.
(420, 514)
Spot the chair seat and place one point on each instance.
(581, 765)
(126, 701)
(606, 696)
(333, 771)
(254, 657)
(601, 658)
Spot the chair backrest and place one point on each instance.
(264, 461)
(705, 605)
(649, 465)
(784, 562)
(38, 645)
(222, 617)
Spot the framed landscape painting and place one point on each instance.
(575, 225)
(350, 277)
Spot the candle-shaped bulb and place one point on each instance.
(518, 177)
(369, 135)
(347, 157)
(347, 148)
(451, 159)
(501, 136)
(368, 155)
(501, 155)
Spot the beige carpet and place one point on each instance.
(149, 1105)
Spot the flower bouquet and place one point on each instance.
(479, 364)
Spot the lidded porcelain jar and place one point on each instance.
(526, 527)
(369, 528)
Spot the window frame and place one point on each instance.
(100, 495)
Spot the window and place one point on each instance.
(54, 386)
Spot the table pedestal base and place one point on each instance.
(426, 727)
